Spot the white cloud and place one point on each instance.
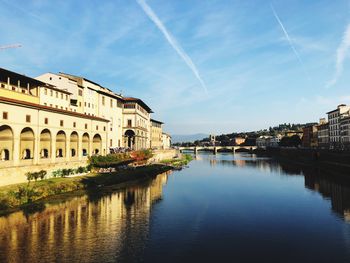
(172, 41)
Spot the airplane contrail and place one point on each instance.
(172, 41)
(342, 51)
(296, 53)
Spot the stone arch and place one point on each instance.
(74, 142)
(61, 144)
(6, 143)
(130, 138)
(97, 144)
(45, 144)
(27, 142)
(85, 144)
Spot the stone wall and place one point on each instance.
(15, 175)
(159, 155)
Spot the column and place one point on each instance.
(68, 150)
(53, 147)
(36, 147)
(16, 147)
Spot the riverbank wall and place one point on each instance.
(16, 175)
(340, 159)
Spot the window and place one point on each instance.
(80, 92)
(89, 104)
(129, 123)
(2, 85)
(79, 103)
(96, 127)
(104, 128)
(50, 105)
(51, 93)
(50, 78)
(62, 96)
(111, 103)
(56, 94)
(85, 103)
(74, 124)
(110, 143)
(66, 97)
(45, 103)
(27, 118)
(45, 91)
(5, 115)
(56, 106)
(86, 126)
(103, 100)
(46, 121)
(61, 123)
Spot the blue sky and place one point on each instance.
(211, 66)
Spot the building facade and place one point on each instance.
(334, 125)
(345, 132)
(310, 138)
(166, 141)
(32, 133)
(92, 99)
(156, 134)
(136, 124)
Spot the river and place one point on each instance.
(222, 208)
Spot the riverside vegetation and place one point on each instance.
(29, 195)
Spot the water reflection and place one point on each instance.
(331, 185)
(116, 225)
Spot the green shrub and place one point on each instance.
(110, 160)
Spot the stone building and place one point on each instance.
(310, 138)
(92, 99)
(156, 134)
(32, 133)
(345, 132)
(334, 125)
(136, 124)
(166, 141)
(323, 134)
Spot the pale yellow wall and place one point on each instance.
(4, 92)
(156, 136)
(17, 121)
(55, 99)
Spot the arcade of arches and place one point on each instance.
(48, 146)
(135, 141)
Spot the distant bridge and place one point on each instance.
(215, 149)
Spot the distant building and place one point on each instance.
(323, 134)
(309, 138)
(334, 125)
(345, 131)
(262, 141)
(238, 140)
(166, 141)
(137, 122)
(274, 141)
(156, 134)
(292, 133)
(212, 139)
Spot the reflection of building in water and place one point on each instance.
(337, 191)
(213, 162)
(114, 224)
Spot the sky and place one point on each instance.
(203, 66)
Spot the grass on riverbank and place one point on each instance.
(17, 196)
(178, 162)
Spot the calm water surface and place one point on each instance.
(223, 208)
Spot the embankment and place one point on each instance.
(318, 157)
